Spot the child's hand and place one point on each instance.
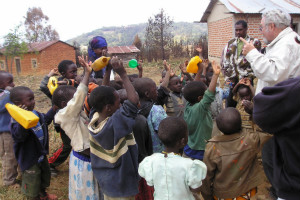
(23, 107)
(182, 68)
(216, 68)
(117, 66)
(167, 66)
(53, 72)
(84, 62)
(248, 106)
(172, 73)
(247, 81)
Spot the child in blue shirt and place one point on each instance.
(31, 146)
(9, 162)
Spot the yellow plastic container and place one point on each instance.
(192, 67)
(100, 63)
(52, 84)
(26, 118)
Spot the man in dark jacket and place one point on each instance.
(276, 111)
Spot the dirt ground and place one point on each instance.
(59, 184)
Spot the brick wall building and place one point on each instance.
(221, 16)
(40, 59)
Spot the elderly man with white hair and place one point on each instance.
(281, 60)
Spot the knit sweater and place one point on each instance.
(27, 146)
(114, 153)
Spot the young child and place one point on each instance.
(197, 114)
(114, 153)
(173, 176)
(73, 120)
(243, 95)
(146, 88)
(68, 72)
(232, 167)
(31, 146)
(170, 93)
(9, 162)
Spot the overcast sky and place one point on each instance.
(71, 18)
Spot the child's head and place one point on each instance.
(132, 77)
(244, 92)
(67, 69)
(194, 91)
(62, 95)
(229, 121)
(173, 132)
(6, 79)
(123, 95)
(175, 84)
(22, 96)
(146, 88)
(115, 84)
(105, 99)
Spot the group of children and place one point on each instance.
(134, 140)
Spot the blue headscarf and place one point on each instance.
(95, 43)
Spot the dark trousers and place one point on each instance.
(36, 179)
(267, 161)
(60, 155)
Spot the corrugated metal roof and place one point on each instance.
(254, 6)
(123, 49)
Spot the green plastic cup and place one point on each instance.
(133, 63)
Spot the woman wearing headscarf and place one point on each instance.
(97, 48)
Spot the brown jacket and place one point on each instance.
(232, 166)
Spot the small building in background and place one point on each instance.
(221, 15)
(40, 58)
(126, 53)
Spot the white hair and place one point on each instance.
(280, 18)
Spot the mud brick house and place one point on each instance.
(40, 58)
(221, 15)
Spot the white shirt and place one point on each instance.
(280, 62)
(73, 120)
(172, 176)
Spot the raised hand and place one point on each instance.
(53, 72)
(216, 68)
(248, 46)
(84, 62)
(117, 66)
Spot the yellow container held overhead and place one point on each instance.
(52, 84)
(26, 118)
(100, 63)
(192, 67)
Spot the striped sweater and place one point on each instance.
(114, 153)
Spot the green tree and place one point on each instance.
(37, 28)
(158, 34)
(14, 46)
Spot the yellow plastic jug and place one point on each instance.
(52, 84)
(100, 63)
(26, 118)
(192, 67)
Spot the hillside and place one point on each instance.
(119, 36)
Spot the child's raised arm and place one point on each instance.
(166, 79)
(140, 68)
(87, 70)
(213, 84)
(118, 67)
